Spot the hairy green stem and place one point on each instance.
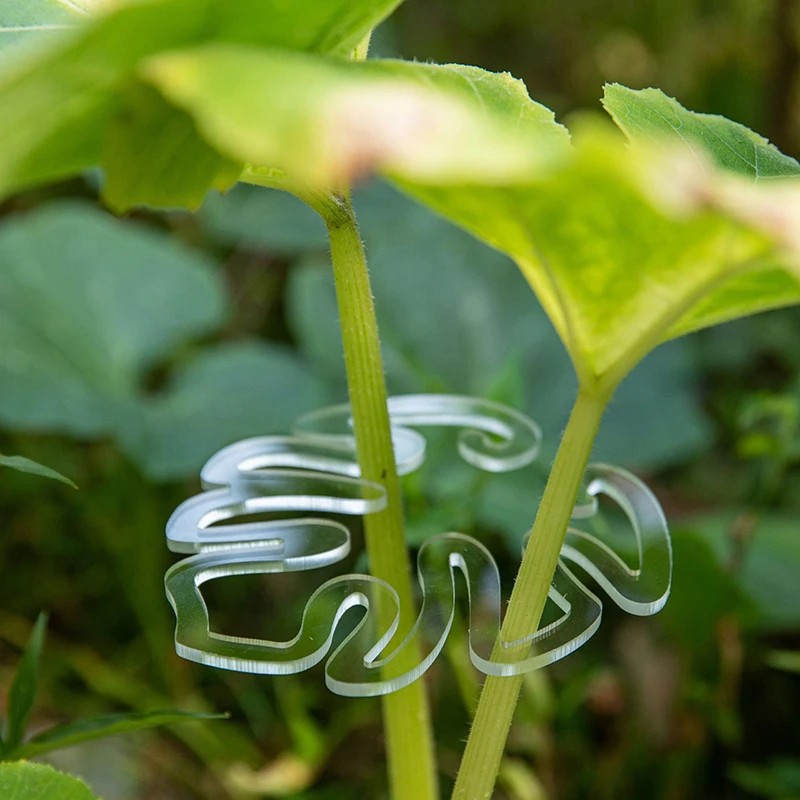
(412, 772)
(484, 751)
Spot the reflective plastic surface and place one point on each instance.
(314, 472)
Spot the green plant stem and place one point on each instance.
(412, 772)
(484, 751)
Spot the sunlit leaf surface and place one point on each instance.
(594, 227)
(324, 121)
(616, 272)
(24, 781)
(28, 23)
(650, 114)
(58, 105)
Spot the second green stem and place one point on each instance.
(486, 743)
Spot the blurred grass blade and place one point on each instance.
(39, 782)
(786, 660)
(23, 688)
(22, 464)
(87, 730)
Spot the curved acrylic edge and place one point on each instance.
(642, 590)
(315, 472)
(493, 437)
(201, 520)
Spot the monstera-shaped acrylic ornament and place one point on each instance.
(314, 472)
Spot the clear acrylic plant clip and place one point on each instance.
(314, 472)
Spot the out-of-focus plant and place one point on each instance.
(779, 779)
(91, 307)
(626, 246)
(769, 437)
(785, 659)
(15, 745)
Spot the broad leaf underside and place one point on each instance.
(617, 275)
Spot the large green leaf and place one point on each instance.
(89, 305)
(648, 115)
(75, 107)
(23, 781)
(616, 270)
(58, 105)
(325, 121)
(86, 305)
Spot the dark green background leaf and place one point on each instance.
(250, 218)
(771, 564)
(89, 306)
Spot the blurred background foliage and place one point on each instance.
(131, 350)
